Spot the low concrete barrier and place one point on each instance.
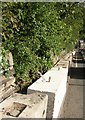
(54, 84)
(44, 97)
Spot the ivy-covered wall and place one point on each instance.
(36, 32)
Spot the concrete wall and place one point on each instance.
(55, 89)
(59, 97)
(44, 98)
(54, 84)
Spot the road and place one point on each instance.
(73, 105)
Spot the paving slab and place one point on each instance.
(73, 103)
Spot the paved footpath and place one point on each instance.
(73, 103)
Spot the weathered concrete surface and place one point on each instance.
(6, 87)
(56, 77)
(55, 88)
(35, 106)
(7, 93)
(6, 82)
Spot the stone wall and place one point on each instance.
(7, 86)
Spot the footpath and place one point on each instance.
(73, 106)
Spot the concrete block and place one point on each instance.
(35, 106)
(55, 89)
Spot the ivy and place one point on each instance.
(36, 32)
(4, 63)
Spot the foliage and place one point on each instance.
(4, 64)
(37, 32)
(82, 31)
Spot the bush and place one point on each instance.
(36, 32)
